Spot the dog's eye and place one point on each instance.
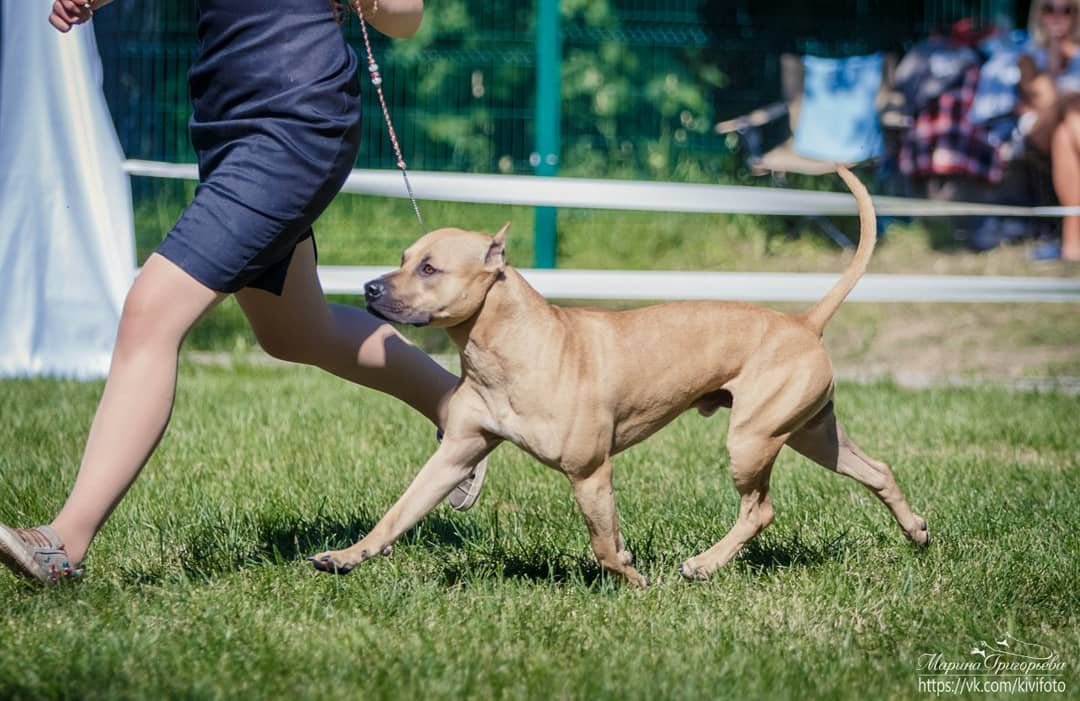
(427, 269)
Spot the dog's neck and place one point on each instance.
(490, 336)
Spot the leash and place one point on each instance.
(376, 81)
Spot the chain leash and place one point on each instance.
(376, 81)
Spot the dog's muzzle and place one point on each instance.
(381, 306)
(374, 290)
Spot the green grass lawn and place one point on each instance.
(197, 587)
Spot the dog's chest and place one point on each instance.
(521, 424)
(557, 433)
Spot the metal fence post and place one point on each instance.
(548, 96)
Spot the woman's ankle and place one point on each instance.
(74, 545)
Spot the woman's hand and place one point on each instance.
(1055, 57)
(67, 13)
(396, 18)
(1037, 90)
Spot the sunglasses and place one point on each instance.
(1052, 9)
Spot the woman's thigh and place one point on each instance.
(296, 319)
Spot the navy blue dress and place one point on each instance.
(276, 128)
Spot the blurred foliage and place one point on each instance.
(637, 88)
(631, 106)
(643, 82)
(636, 111)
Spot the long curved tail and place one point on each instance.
(819, 314)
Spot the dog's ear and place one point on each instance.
(495, 259)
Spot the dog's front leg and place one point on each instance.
(445, 469)
(595, 496)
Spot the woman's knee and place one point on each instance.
(145, 321)
(1063, 138)
(352, 337)
(383, 333)
(1070, 124)
(161, 306)
(380, 344)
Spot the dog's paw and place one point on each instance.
(345, 561)
(691, 572)
(327, 563)
(338, 561)
(635, 578)
(920, 535)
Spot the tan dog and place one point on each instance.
(573, 387)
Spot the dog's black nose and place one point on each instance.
(373, 290)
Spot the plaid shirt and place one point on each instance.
(942, 141)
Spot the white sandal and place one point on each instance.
(36, 553)
(467, 492)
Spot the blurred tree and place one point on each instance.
(643, 82)
(636, 95)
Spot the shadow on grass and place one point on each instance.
(295, 541)
(541, 565)
(536, 566)
(767, 557)
(209, 552)
(228, 547)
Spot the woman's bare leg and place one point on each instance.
(301, 327)
(135, 407)
(1065, 165)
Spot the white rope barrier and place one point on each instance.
(673, 197)
(590, 193)
(752, 287)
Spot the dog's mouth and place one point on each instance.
(376, 312)
(380, 310)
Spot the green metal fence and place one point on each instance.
(642, 82)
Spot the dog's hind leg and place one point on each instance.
(752, 458)
(595, 496)
(823, 440)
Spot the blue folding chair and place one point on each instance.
(838, 111)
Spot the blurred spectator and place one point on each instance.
(946, 152)
(996, 118)
(1049, 107)
(938, 79)
(936, 64)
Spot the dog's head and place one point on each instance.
(443, 278)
